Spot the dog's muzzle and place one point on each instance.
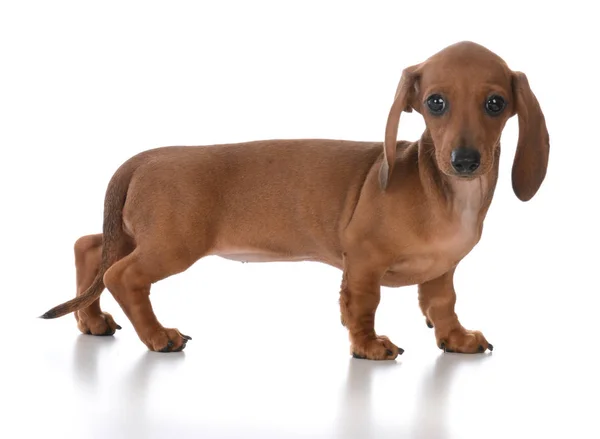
(465, 161)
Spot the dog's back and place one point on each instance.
(303, 191)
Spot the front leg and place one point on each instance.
(437, 299)
(359, 298)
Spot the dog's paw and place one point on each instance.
(376, 348)
(167, 340)
(464, 341)
(100, 324)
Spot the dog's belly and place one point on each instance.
(263, 257)
(252, 254)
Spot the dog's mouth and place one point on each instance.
(464, 176)
(470, 176)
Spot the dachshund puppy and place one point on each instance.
(394, 213)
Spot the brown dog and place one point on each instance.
(392, 214)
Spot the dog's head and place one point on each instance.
(466, 93)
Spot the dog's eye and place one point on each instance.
(494, 105)
(437, 104)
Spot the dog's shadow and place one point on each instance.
(131, 415)
(86, 357)
(430, 419)
(355, 419)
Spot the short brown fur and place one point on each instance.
(390, 214)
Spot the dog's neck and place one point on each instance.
(464, 198)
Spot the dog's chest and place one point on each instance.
(442, 247)
(432, 259)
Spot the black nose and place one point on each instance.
(465, 160)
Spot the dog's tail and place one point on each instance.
(112, 240)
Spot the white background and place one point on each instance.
(85, 85)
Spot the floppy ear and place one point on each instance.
(533, 147)
(402, 102)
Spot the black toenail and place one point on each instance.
(400, 351)
(360, 357)
(168, 347)
(443, 346)
(429, 324)
(187, 337)
(490, 347)
(481, 348)
(119, 327)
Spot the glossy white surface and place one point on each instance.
(269, 359)
(84, 87)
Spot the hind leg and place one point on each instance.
(129, 281)
(91, 320)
